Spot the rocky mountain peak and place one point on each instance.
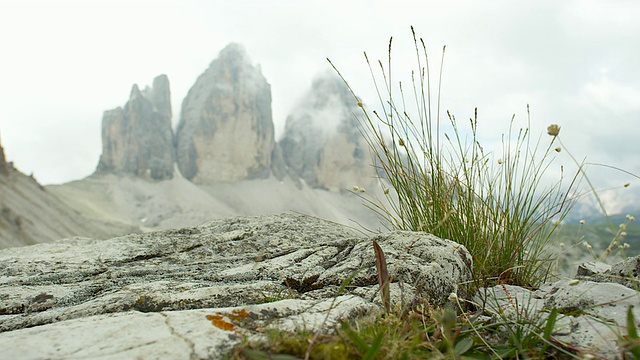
(322, 143)
(135, 92)
(226, 131)
(4, 167)
(159, 95)
(138, 139)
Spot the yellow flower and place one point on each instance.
(553, 130)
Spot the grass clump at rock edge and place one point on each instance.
(438, 178)
(444, 183)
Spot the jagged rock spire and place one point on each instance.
(138, 138)
(226, 130)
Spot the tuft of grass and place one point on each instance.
(445, 183)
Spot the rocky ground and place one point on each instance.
(195, 292)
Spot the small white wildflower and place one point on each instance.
(623, 226)
(561, 244)
(574, 282)
(453, 297)
(526, 252)
(587, 245)
(355, 188)
(582, 222)
(623, 234)
(630, 217)
(626, 246)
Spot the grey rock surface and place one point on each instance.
(592, 314)
(89, 298)
(226, 131)
(322, 143)
(138, 138)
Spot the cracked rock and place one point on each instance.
(196, 292)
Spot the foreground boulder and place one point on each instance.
(592, 309)
(196, 292)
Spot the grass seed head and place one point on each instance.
(553, 130)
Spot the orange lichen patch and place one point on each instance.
(239, 314)
(218, 322)
(236, 315)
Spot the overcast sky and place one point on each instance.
(575, 62)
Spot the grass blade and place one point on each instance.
(375, 347)
(548, 329)
(363, 348)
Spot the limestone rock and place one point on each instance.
(592, 315)
(138, 139)
(592, 268)
(226, 130)
(247, 274)
(322, 142)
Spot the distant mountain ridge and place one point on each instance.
(31, 214)
(226, 131)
